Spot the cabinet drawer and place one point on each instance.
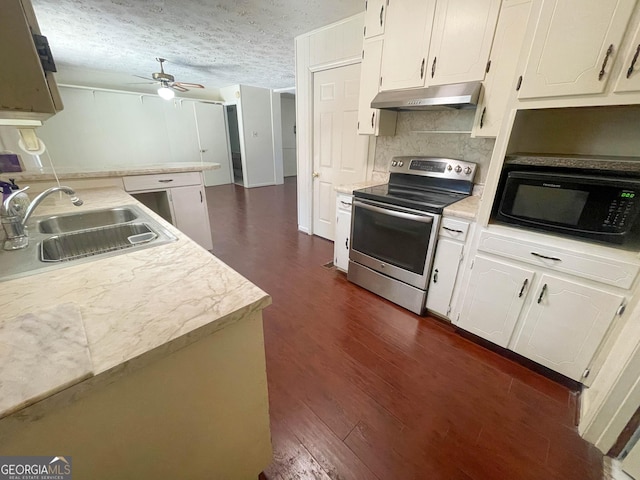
(344, 202)
(611, 271)
(162, 180)
(454, 229)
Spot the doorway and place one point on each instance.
(234, 143)
(288, 112)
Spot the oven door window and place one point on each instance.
(393, 236)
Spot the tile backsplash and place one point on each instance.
(429, 133)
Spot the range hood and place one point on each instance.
(440, 97)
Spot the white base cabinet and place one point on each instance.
(179, 198)
(343, 232)
(557, 320)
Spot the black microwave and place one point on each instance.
(592, 206)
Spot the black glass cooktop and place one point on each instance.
(423, 200)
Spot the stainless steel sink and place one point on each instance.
(81, 221)
(65, 240)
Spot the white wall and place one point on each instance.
(328, 47)
(104, 129)
(288, 110)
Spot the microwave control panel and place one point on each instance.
(620, 209)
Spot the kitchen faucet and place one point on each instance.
(16, 211)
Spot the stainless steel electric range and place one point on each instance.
(394, 227)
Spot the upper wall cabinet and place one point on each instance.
(406, 43)
(27, 88)
(461, 40)
(374, 17)
(575, 45)
(372, 121)
(437, 43)
(629, 79)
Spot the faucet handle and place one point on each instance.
(15, 204)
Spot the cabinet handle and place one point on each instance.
(433, 67)
(633, 62)
(200, 196)
(346, 243)
(166, 181)
(381, 12)
(519, 84)
(524, 285)
(606, 59)
(345, 204)
(373, 116)
(544, 289)
(452, 230)
(484, 110)
(422, 70)
(555, 259)
(435, 276)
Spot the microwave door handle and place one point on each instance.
(395, 213)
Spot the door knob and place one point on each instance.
(315, 174)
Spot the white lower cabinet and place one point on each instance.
(558, 320)
(565, 323)
(443, 276)
(177, 197)
(342, 232)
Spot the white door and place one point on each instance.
(339, 153)
(565, 324)
(461, 40)
(406, 43)
(213, 140)
(443, 275)
(575, 41)
(494, 299)
(191, 215)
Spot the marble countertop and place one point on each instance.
(466, 208)
(67, 173)
(134, 307)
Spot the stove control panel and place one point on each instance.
(434, 167)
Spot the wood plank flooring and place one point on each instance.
(360, 388)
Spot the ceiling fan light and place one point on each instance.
(166, 93)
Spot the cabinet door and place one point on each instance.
(191, 215)
(372, 121)
(629, 79)
(575, 41)
(494, 299)
(374, 16)
(343, 232)
(461, 40)
(504, 58)
(443, 275)
(406, 43)
(565, 324)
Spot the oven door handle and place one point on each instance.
(395, 213)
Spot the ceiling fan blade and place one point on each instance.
(179, 88)
(140, 83)
(145, 78)
(190, 85)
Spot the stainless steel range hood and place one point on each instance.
(441, 97)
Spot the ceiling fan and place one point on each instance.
(167, 82)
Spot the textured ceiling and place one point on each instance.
(213, 42)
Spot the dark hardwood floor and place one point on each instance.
(360, 388)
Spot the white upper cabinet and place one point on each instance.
(629, 79)
(565, 325)
(461, 40)
(499, 83)
(575, 45)
(374, 17)
(406, 43)
(372, 121)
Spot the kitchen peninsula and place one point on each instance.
(170, 381)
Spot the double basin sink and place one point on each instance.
(64, 240)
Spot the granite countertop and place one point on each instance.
(67, 173)
(133, 308)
